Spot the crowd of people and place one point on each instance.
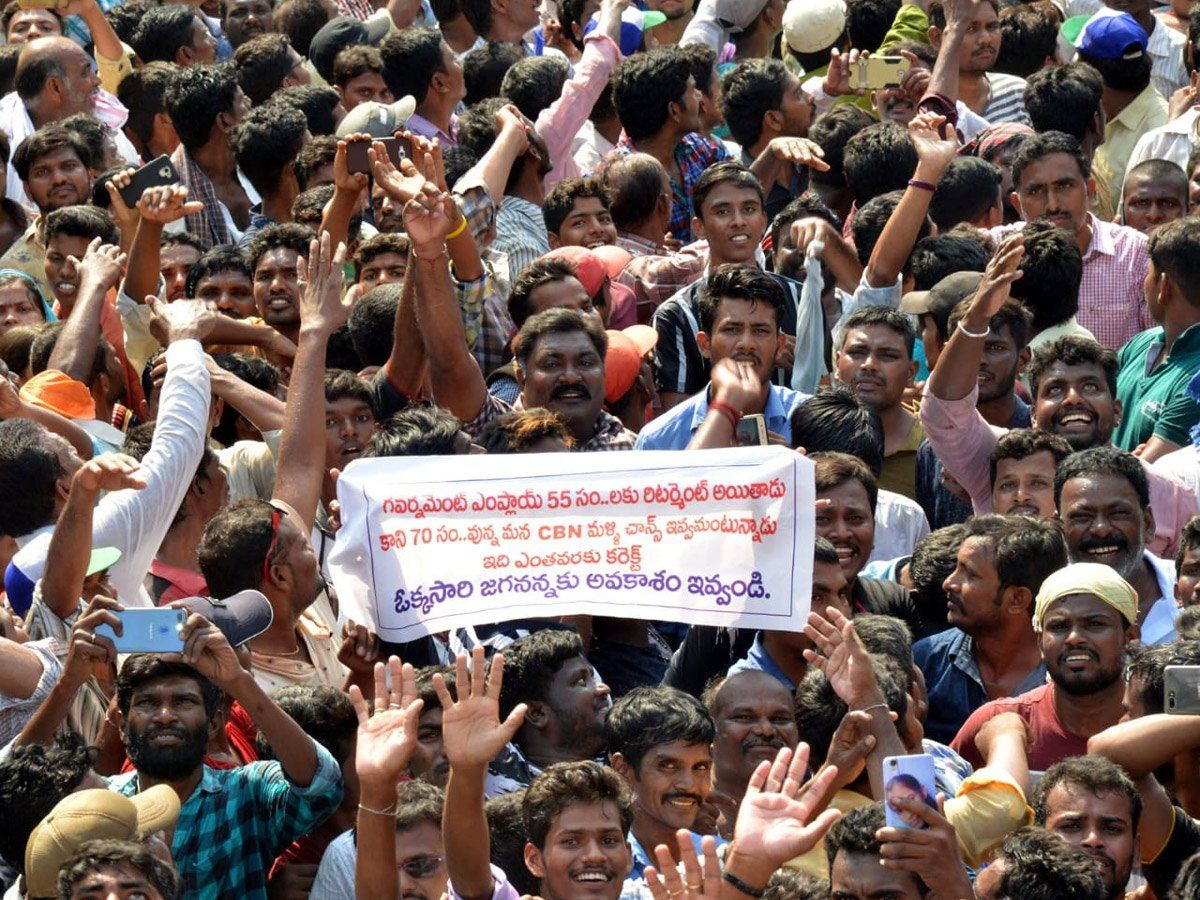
(941, 248)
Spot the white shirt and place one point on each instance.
(1183, 465)
(1159, 624)
(135, 522)
(900, 524)
(1172, 142)
(1168, 73)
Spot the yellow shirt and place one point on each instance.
(1146, 111)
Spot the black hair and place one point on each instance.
(855, 833)
(567, 783)
(263, 62)
(316, 154)
(868, 223)
(738, 282)
(644, 87)
(1148, 662)
(931, 563)
(1020, 443)
(752, 88)
(648, 717)
(356, 60)
(140, 669)
(410, 59)
(556, 321)
(534, 83)
(545, 270)
(196, 96)
(832, 131)
(836, 420)
(1025, 550)
(99, 855)
(1012, 317)
(78, 222)
(484, 67)
(163, 31)
(232, 553)
(968, 188)
(1103, 460)
(221, 258)
(1064, 99)
(725, 172)
(371, 324)
(1047, 143)
(318, 103)
(517, 432)
(506, 830)
(124, 19)
(11, 9)
(95, 135)
(281, 234)
(45, 141)
(1173, 250)
(937, 12)
(300, 20)
(634, 184)
(266, 142)
(1039, 865)
(1028, 37)
(1072, 351)
(1095, 774)
(869, 21)
(832, 469)
(885, 316)
(807, 206)
(33, 779)
(940, 255)
(416, 431)
(530, 664)
(1052, 270)
(255, 371)
(878, 159)
(9, 55)
(560, 202)
(1189, 538)
(324, 713)
(888, 637)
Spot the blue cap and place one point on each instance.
(1112, 36)
(633, 23)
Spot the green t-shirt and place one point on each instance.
(1155, 402)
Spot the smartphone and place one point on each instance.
(358, 161)
(147, 630)
(908, 778)
(877, 72)
(158, 172)
(752, 431)
(1181, 690)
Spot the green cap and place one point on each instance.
(102, 558)
(1071, 28)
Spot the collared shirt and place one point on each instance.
(674, 429)
(954, 682)
(418, 124)
(657, 275)
(1152, 389)
(640, 246)
(26, 254)
(779, 196)
(693, 155)
(609, 435)
(559, 123)
(1168, 73)
(1144, 112)
(1172, 142)
(520, 233)
(237, 821)
(1069, 328)
(1112, 305)
(900, 466)
(257, 223)
(15, 712)
(900, 524)
(1159, 625)
(167, 583)
(641, 859)
(757, 659)
(964, 442)
(210, 224)
(492, 321)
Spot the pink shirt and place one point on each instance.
(558, 123)
(1112, 305)
(963, 441)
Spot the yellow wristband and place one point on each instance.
(462, 226)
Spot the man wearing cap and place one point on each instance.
(95, 814)
(740, 311)
(1085, 616)
(629, 375)
(1116, 47)
(341, 32)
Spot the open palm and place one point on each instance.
(778, 819)
(472, 732)
(386, 740)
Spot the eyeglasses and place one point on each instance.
(421, 866)
(276, 515)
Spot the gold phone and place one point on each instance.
(876, 72)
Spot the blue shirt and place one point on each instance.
(759, 660)
(954, 683)
(673, 430)
(637, 875)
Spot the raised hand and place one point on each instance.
(360, 648)
(839, 77)
(840, 655)
(100, 267)
(386, 739)
(665, 881)
(183, 319)
(208, 651)
(935, 141)
(110, 472)
(509, 119)
(428, 218)
(1002, 270)
(472, 732)
(799, 152)
(127, 218)
(321, 304)
(852, 743)
(87, 649)
(779, 819)
(402, 184)
(167, 203)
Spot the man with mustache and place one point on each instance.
(275, 253)
(990, 649)
(1104, 500)
(167, 706)
(753, 715)
(1073, 382)
(1085, 616)
(660, 743)
(741, 309)
(1090, 802)
(1023, 464)
(993, 95)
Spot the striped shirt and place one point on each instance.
(1168, 73)
(1005, 103)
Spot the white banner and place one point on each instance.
(715, 537)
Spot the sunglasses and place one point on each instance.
(421, 866)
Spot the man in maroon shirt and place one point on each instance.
(1085, 617)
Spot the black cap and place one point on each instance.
(939, 301)
(339, 33)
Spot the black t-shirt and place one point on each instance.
(1183, 843)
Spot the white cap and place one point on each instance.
(812, 25)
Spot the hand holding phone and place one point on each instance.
(908, 779)
(877, 72)
(158, 172)
(146, 630)
(752, 431)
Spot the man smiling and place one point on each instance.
(1085, 616)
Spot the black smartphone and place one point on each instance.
(358, 161)
(156, 173)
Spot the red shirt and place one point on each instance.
(1050, 738)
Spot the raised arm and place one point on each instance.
(458, 383)
(957, 369)
(157, 208)
(301, 468)
(79, 341)
(936, 145)
(262, 410)
(473, 735)
(944, 80)
(347, 188)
